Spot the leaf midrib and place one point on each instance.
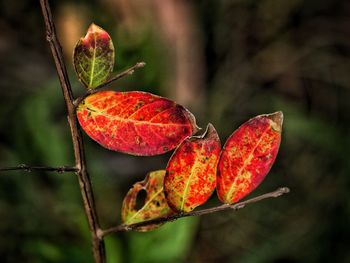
(246, 162)
(145, 205)
(111, 117)
(185, 193)
(93, 63)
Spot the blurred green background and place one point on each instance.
(227, 61)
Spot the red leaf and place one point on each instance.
(247, 156)
(191, 172)
(135, 122)
(155, 204)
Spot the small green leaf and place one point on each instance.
(93, 57)
(154, 204)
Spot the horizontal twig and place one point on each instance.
(28, 168)
(237, 206)
(120, 75)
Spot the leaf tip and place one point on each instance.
(277, 120)
(193, 122)
(210, 128)
(94, 28)
(210, 132)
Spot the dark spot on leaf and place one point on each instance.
(140, 199)
(91, 109)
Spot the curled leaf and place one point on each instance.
(191, 172)
(135, 122)
(93, 57)
(247, 156)
(155, 205)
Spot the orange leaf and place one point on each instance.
(191, 172)
(155, 204)
(247, 156)
(135, 122)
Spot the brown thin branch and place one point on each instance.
(82, 174)
(235, 207)
(120, 75)
(29, 168)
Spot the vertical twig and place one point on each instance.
(83, 176)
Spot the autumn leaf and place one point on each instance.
(135, 122)
(93, 57)
(247, 156)
(155, 204)
(191, 172)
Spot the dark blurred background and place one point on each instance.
(227, 61)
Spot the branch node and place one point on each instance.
(128, 228)
(25, 167)
(99, 233)
(49, 36)
(238, 206)
(284, 190)
(281, 191)
(76, 102)
(140, 64)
